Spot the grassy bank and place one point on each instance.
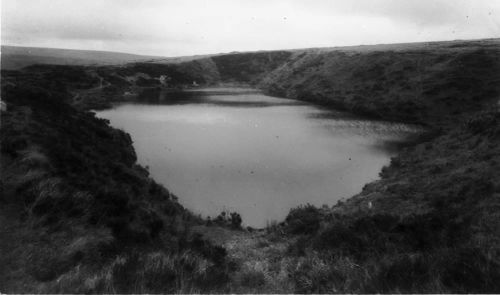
(78, 214)
(429, 225)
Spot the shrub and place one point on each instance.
(231, 219)
(235, 220)
(303, 220)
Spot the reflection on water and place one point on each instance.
(237, 149)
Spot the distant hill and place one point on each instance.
(16, 57)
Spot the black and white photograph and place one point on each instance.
(250, 147)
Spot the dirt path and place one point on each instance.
(259, 256)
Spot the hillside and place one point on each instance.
(408, 83)
(77, 213)
(431, 223)
(70, 183)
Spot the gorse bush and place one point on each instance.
(303, 220)
(235, 220)
(231, 219)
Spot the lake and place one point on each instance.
(239, 150)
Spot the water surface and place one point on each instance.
(239, 150)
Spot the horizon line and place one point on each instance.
(247, 51)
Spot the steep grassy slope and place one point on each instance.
(429, 225)
(77, 213)
(248, 67)
(414, 83)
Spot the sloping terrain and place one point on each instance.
(77, 213)
(429, 225)
(71, 189)
(419, 83)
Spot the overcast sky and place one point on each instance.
(187, 27)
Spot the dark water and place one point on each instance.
(237, 149)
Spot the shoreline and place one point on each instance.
(396, 146)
